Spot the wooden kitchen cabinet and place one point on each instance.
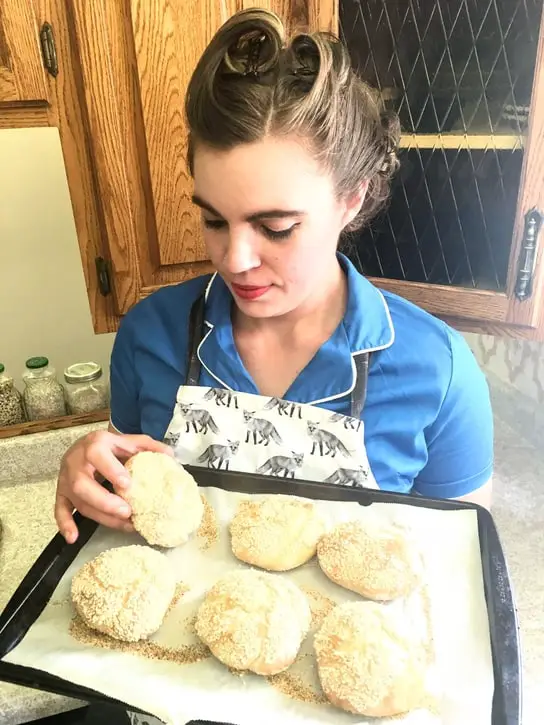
(460, 236)
(117, 98)
(22, 72)
(133, 104)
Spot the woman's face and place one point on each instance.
(271, 223)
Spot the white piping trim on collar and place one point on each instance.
(115, 428)
(353, 368)
(202, 361)
(340, 395)
(360, 352)
(391, 329)
(208, 286)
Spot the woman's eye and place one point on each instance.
(214, 223)
(279, 234)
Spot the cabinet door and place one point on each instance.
(467, 80)
(22, 75)
(136, 58)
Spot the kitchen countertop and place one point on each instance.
(28, 525)
(28, 467)
(27, 484)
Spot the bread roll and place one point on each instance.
(277, 533)
(124, 592)
(165, 500)
(255, 621)
(368, 661)
(375, 561)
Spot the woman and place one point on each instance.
(289, 150)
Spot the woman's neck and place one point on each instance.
(319, 315)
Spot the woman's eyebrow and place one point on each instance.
(265, 214)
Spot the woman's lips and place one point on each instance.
(249, 292)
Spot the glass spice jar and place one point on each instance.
(12, 411)
(43, 395)
(86, 390)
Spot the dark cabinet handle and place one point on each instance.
(527, 257)
(49, 50)
(103, 276)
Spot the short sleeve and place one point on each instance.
(125, 411)
(460, 440)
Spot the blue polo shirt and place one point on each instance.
(427, 418)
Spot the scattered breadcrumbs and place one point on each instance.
(61, 602)
(293, 686)
(181, 589)
(238, 673)
(190, 623)
(428, 641)
(208, 533)
(185, 655)
(320, 606)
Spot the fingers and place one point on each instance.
(93, 501)
(104, 451)
(131, 444)
(112, 522)
(65, 520)
(89, 493)
(77, 487)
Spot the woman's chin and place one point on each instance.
(267, 306)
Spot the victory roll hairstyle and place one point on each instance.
(252, 82)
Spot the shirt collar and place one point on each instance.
(366, 327)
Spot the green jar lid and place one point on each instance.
(35, 363)
(2, 368)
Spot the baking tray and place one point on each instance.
(39, 584)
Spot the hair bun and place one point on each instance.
(254, 39)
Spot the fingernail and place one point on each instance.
(123, 482)
(70, 537)
(123, 511)
(129, 528)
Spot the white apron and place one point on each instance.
(223, 429)
(227, 430)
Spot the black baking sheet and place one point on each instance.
(38, 586)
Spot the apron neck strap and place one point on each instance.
(358, 394)
(196, 333)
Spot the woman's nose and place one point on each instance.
(241, 254)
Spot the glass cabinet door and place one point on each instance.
(460, 75)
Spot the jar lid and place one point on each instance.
(35, 363)
(82, 372)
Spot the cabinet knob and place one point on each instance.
(527, 257)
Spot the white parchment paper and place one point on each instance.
(450, 608)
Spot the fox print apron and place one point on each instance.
(224, 429)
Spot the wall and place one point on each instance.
(516, 363)
(515, 373)
(43, 301)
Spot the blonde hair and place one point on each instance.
(251, 82)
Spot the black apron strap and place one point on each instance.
(196, 333)
(358, 394)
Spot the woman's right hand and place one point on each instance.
(98, 454)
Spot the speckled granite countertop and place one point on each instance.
(28, 466)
